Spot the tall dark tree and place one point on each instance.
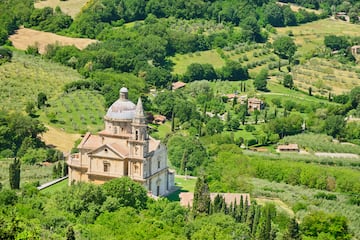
(288, 81)
(14, 174)
(41, 99)
(70, 233)
(201, 202)
(293, 231)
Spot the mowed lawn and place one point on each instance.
(184, 185)
(183, 61)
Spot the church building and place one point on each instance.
(123, 148)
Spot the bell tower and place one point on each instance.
(139, 141)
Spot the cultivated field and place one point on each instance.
(74, 112)
(59, 139)
(310, 36)
(70, 7)
(25, 76)
(325, 76)
(25, 37)
(296, 8)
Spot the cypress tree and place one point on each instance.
(201, 202)
(54, 171)
(173, 121)
(70, 234)
(293, 231)
(14, 174)
(217, 203)
(241, 208)
(65, 169)
(255, 220)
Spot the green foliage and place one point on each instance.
(14, 174)
(5, 55)
(260, 81)
(285, 47)
(317, 223)
(234, 71)
(201, 201)
(320, 143)
(126, 192)
(336, 42)
(186, 152)
(288, 81)
(8, 197)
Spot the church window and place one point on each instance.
(157, 190)
(136, 135)
(159, 163)
(106, 166)
(136, 168)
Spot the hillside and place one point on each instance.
(25, 37)
(25, 76)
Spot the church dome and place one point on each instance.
(123, 108)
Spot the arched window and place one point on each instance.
(136, 134)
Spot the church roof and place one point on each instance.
(123, 108)
(90, 141)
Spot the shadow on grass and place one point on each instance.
(175, 196)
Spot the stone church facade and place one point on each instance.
(123, 148)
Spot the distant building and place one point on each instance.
(177, 85)
(186, 198)
(123, 148)
(255, 104)
(159, 119)
(288, 148)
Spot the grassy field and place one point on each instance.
(25, 37)
(59, 138)
(185, 185)
(22, 79)
(29, 173)
(70, 7)
(182, 61)
(310, 36)
(56, 187)
(74, 112)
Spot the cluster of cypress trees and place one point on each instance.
(60, 169)
(258, 218)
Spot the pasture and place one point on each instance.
(70, 7)
(25, 37)
(25, 76)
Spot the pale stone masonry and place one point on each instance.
(123, 148)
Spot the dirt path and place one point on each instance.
(277, 202)
(25, 37)
(60, 139)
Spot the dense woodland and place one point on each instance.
(208, 134)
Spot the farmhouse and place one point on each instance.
(255, 104)
(288, 148)
(177, 85)
(186, 198)
(123, 148)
